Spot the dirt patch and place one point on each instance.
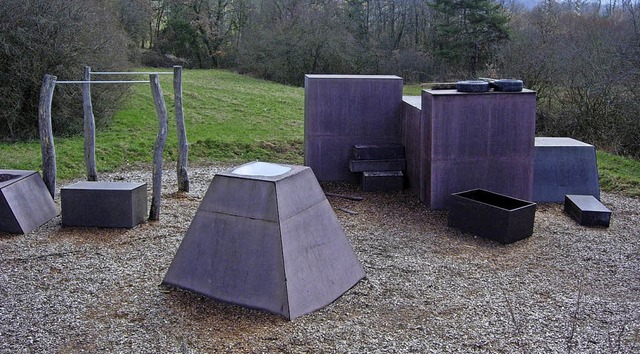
(429, 288)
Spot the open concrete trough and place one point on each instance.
(492, 215)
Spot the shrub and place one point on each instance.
(56, 37)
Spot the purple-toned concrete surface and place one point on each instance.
(266, 237)
(564, 166)
(346, 110)
(25, 202)
(472, 140)
(104, 204)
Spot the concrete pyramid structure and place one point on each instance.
(25, 202)
(266, 237)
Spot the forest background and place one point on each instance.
(582, 57)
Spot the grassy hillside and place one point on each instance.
(230, 118)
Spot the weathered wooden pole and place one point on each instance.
(46, 134)
(183, 145)
(89, 128)
(158, 147)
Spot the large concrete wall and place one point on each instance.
(344, 110)
(476, 140)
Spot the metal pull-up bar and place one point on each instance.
(46, 132)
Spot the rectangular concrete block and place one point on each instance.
(472, 141)
(382, 181)
(104, 204)
(345, 110)
(587, 210)
(564, 166)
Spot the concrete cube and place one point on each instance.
(104, 204)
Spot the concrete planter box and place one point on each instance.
(491, 215)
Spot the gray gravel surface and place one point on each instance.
(429, 288)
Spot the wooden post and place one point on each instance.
(46, 134)
(158, 147)
(89, 128)
(183, 145)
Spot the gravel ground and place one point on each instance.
(429, 288)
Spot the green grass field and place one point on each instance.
(229, 118)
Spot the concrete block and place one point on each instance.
(25, 202)
(382, 181)
(587, 210)
(564, 166)
(287, 255)
(345, 110)
(472, 140)
(377, 165)
(104, 204)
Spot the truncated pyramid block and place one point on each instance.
(25, 202)
(266, 237)
(587, 210)
(564, 166)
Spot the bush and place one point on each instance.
(56, 37)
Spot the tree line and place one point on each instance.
(582, 57)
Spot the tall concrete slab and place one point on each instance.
(25, 202)
(346, 110)
(564, 166)
(474, 140)
(266, 237)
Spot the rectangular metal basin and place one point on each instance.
(491, 215)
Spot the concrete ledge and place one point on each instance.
(104, 204)
(587, 210)
(377, 165)
(378, 152)
(382, 181)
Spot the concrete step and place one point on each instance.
(587, 210)
(377, 165)
(382, 181)
(378, 152)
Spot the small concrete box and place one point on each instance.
(587, 210)
(25, 202)
(104, 204)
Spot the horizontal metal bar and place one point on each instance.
(102, 82)
(131, 72)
